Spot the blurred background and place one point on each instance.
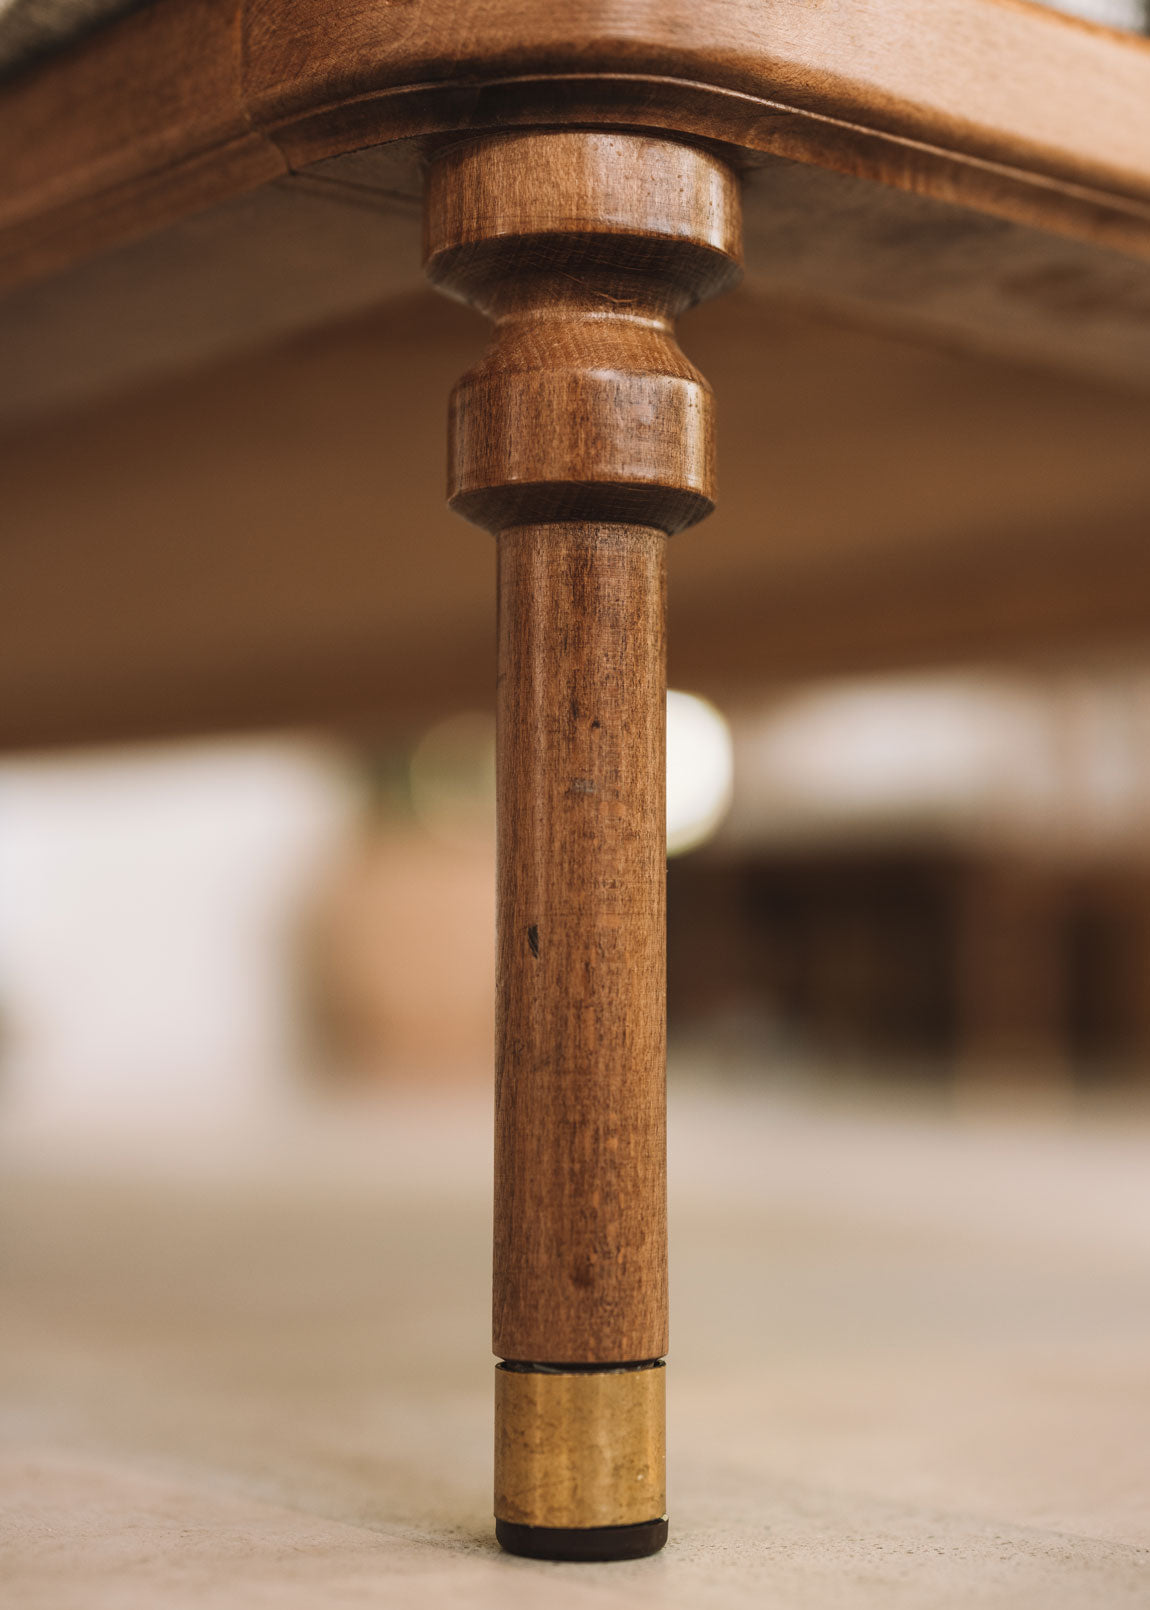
(936, 883)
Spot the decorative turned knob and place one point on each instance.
(582, 246)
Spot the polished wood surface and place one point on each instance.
(977, 172)
(142, 123)
(580, 1192)
(991, 98)
(583, 438)
(214, 555)
(342, 239)
(582, 247)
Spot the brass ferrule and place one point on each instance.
(580, 1448)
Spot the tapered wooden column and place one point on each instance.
(583, 440)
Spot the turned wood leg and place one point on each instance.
(583, 440)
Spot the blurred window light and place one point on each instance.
(699, 770)
(1057, 757)
(877, 747)
(147, 909)
(938, 752)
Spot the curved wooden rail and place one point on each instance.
(210, 176)
(1001, 105)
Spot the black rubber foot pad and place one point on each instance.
(582, 1543)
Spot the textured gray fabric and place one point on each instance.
(33, 28)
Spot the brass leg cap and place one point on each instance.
(582, 1542)
(580, 1451)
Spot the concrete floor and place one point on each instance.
(911, 1367)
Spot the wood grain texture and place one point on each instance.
(993, 81)
(143, 124)
(979, 170)
(343, 237)
(582, 247)
(583, 438)
(1004, 107)
(580, 1196)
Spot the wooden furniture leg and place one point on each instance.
(583, 439)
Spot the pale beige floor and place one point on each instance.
(911, 1367)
